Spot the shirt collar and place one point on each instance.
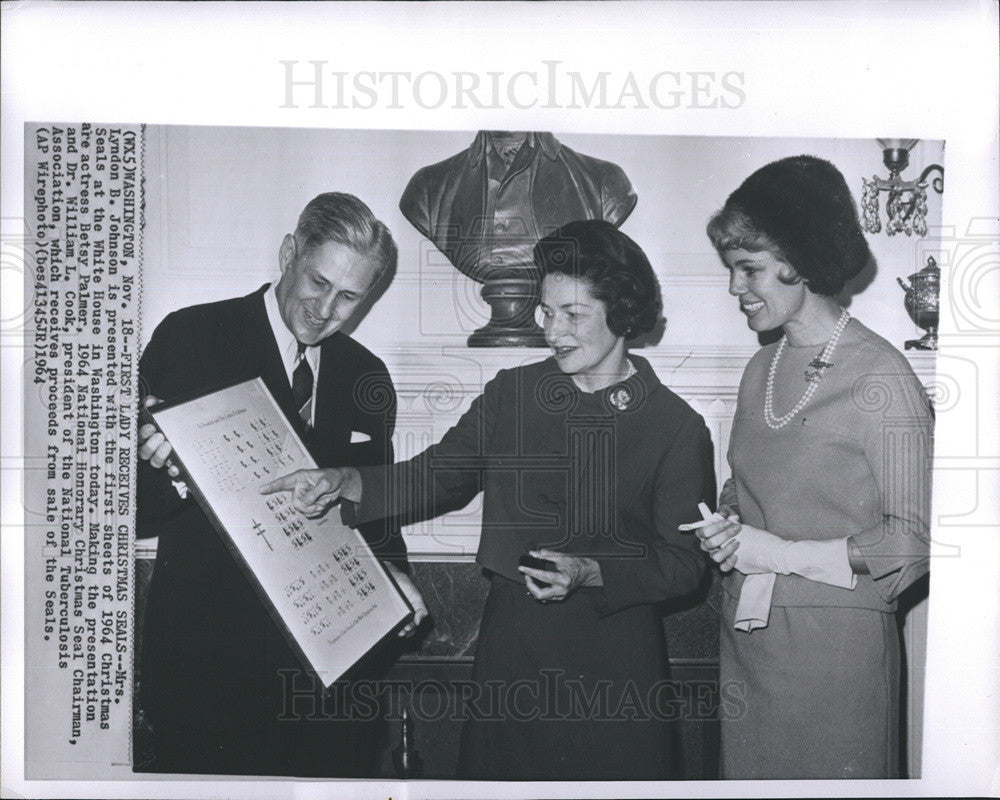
(288, 346)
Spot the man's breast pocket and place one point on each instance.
(366, 453)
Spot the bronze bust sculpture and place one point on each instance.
(486, 207)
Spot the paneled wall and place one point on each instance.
(219, 201)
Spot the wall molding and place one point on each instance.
(435, 384)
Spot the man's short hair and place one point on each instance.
(344, 219)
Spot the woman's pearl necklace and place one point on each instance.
(819, 365)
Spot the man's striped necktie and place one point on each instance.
(302, 385)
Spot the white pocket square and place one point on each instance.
(357, 437)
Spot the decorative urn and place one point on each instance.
(921, 302)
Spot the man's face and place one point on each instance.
(320, 289)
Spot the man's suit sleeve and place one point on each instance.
(156, 497)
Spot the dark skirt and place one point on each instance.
(564, 694)
(815, 694)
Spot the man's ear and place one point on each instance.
(286, 253)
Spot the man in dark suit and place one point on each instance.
(224, 692)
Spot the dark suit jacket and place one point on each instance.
(446, 201)
(211, 654)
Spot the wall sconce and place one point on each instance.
(906, 205)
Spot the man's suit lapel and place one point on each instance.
(333, 387)
(272, 370)
(328, 441)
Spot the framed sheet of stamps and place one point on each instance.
(329, 592)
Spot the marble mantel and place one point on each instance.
(435, 385)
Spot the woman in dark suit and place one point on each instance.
(589, 463)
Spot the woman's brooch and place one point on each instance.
(620, 398)
(816, 368)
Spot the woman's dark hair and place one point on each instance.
(614, 267)
(800, 209)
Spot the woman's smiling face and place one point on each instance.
(767, 302)
(576, 328)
